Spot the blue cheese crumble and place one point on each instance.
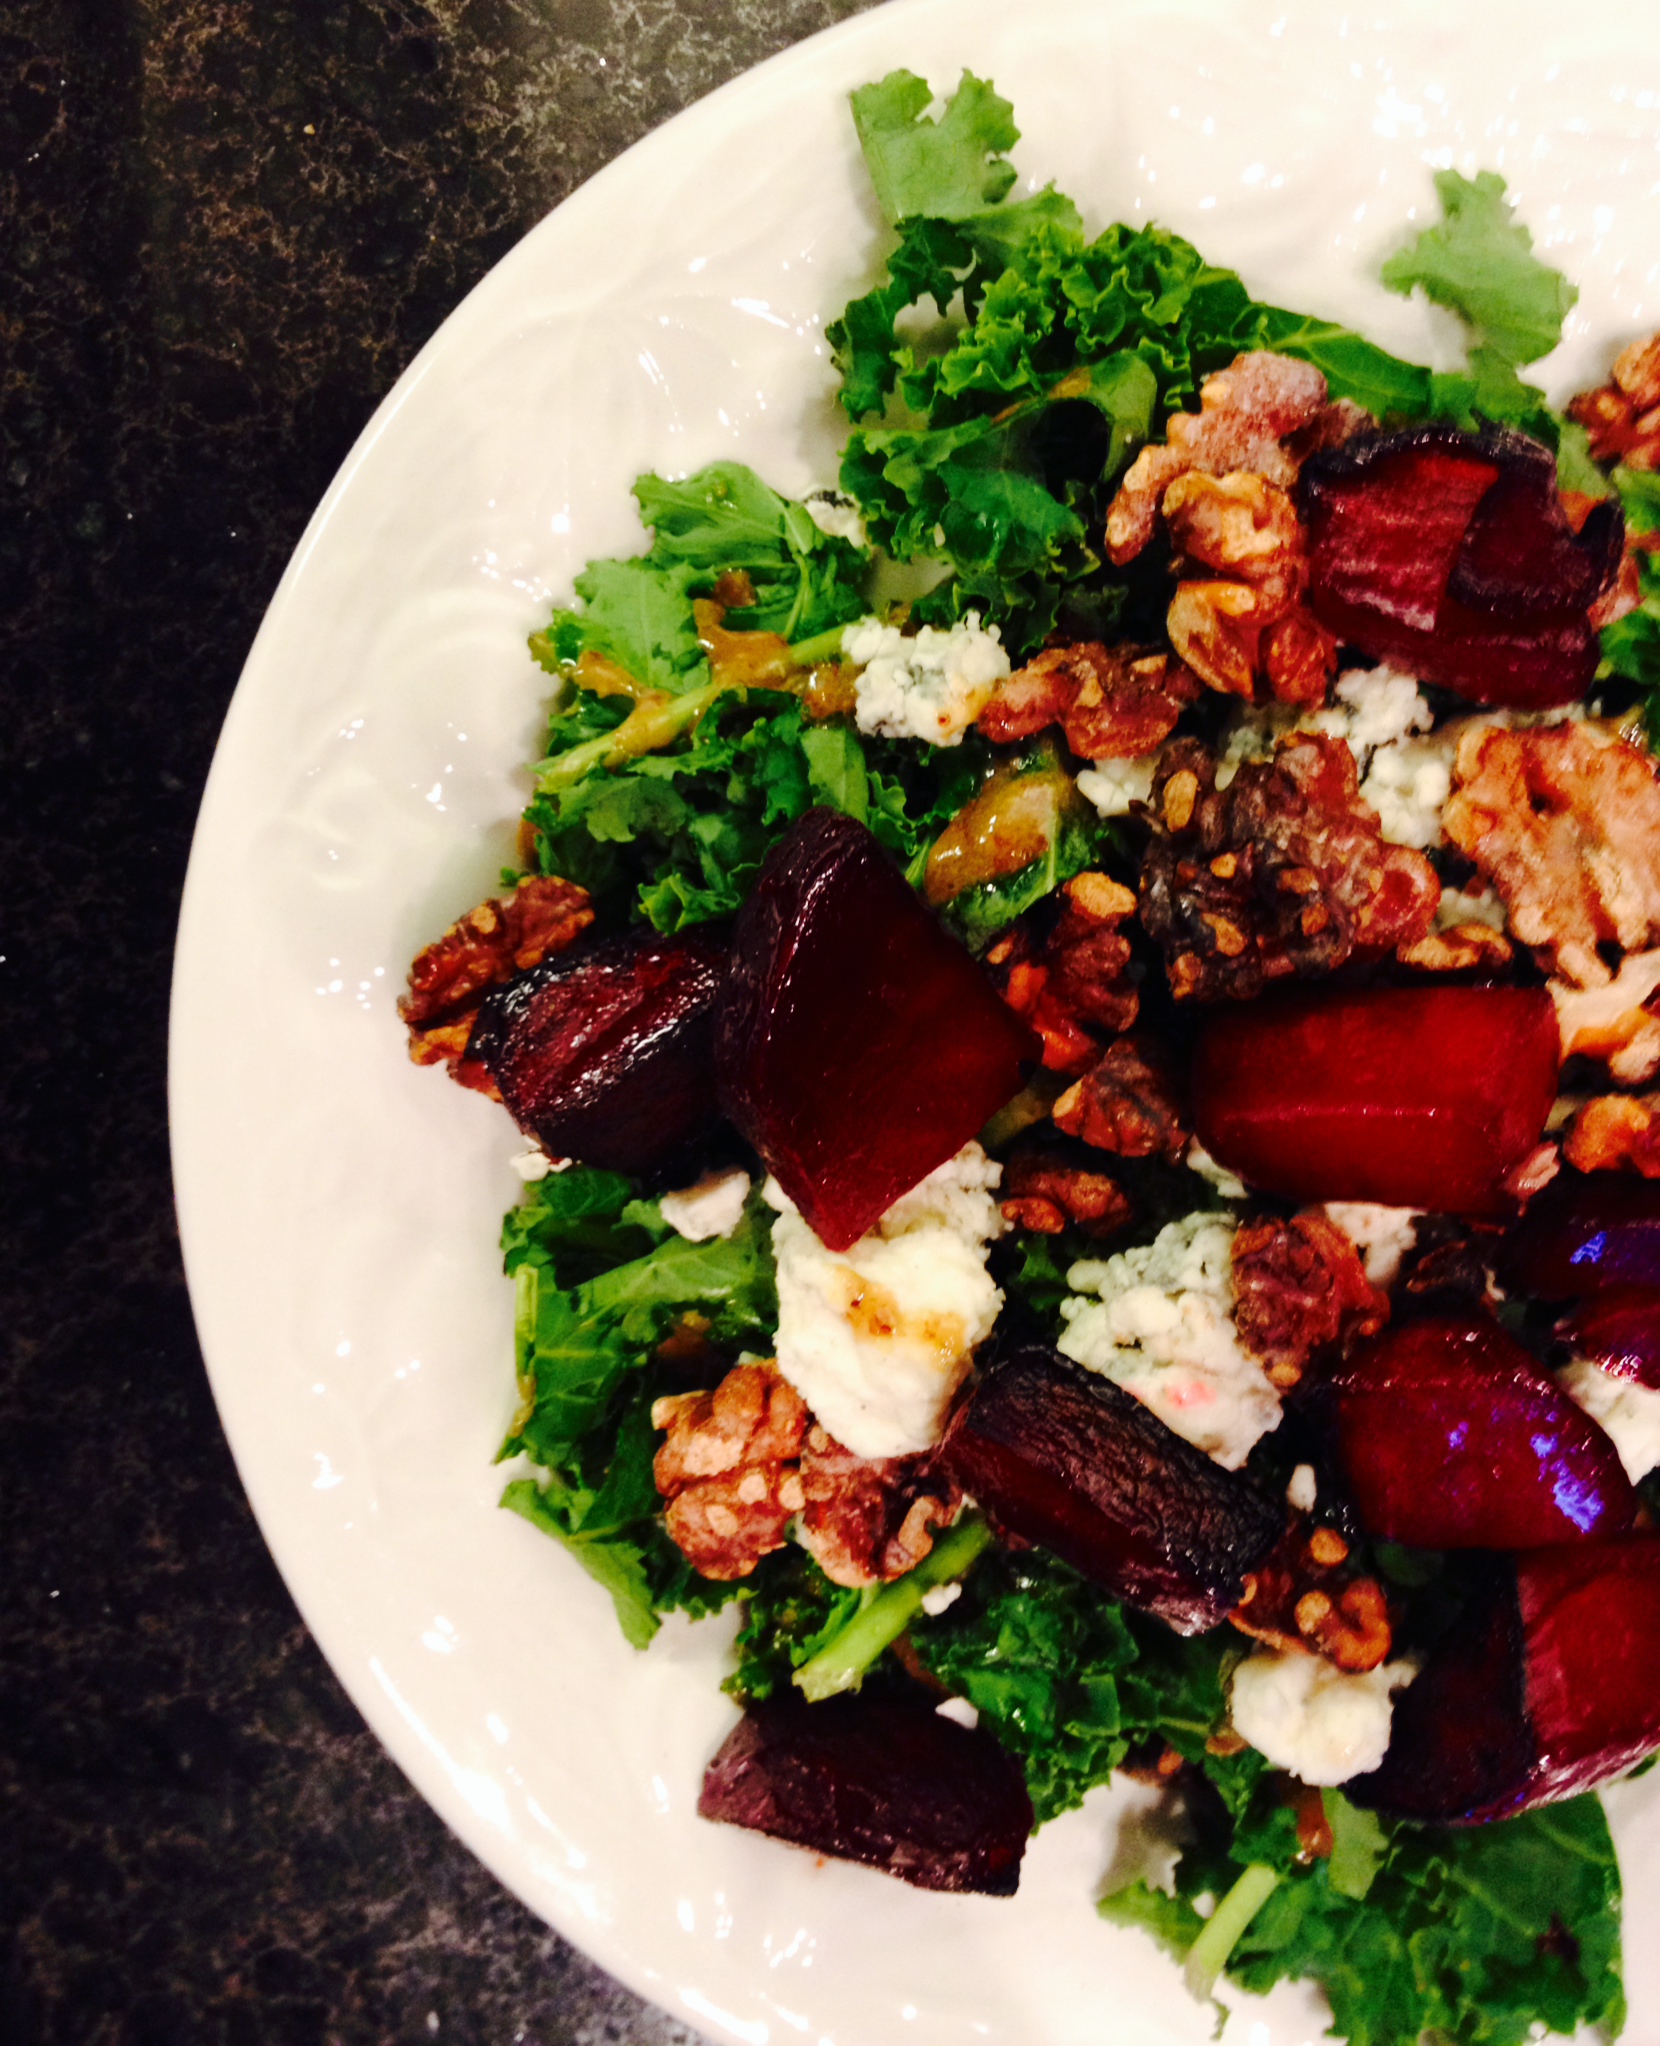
(1158, 1320)
(877, 1338)
(1306, 1715)
(931, 686)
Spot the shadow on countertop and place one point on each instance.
(225, 227)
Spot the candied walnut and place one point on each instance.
(1250, 623)
(1622, 417)
(1615, 1131)
(1073, 986)
(1300, 1286)
(482, 950)
(1449, 1266)
(1308, 1595)
(1245, 414)
(1457, 949)
(1613, 1023)
(1113, 703)
(1564, 820)
(1533, 1174)
(1042, 1192)
(729, 1469)
(868, 1522)
(1285, 872)
(1126, 1103)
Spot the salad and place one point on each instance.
(1079, 1005)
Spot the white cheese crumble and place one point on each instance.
(932, 686)
(1306, 1715)
(1302, 1489)
(1626, 1412)
(939, 1598)
(714, 1206)
(1114, 785)
(836, 516)
(1383, 707)
(960, 1710)
(1383, 1236)
(534, 1163)
(1408, 784)
(877, 1338)
(1228, 1184)
(1161, 1326)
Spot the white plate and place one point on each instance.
(339, 1207)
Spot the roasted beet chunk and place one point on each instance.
(858, 1044)
(1451, 554)
(1618, 1329)
(1064, 1458)
(881, 1780)
(607, 1054)
(1584, 1232)
(1548, 1687)
(1416, 1097)
(1452, 1437)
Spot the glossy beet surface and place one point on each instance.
(1451, 554)
(606, 1054)
(1416, 1097)
(1067, 1459)
(1451, 1436)
(881, 1780)
(858, 1044)
(1583, 1232)
(1550, 1686)
(1618, 1328)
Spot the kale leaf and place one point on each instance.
(588, 1375)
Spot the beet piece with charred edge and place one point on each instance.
(1451, 1436)
(1619, 1330)
(606, 1054)
(1062, 1457)
(880, 1780)
(1585, 1231)
(1420, 1097)
(1549, 1687)
(1451, 554)
(858, 1044)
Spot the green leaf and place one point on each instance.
(618, 1565)
(639, 614)
(1358, 1845)
(944, 168)
(1480, 264)
(836, 769)
(1352, 367)
(576, 1222)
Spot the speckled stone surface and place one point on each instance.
(225, 227)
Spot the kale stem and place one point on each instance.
(652, 724)
(1225, 1927)
(842, 1661)
(823, 646)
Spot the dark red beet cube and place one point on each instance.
(1451, 554)
(607, 1053)
(1420, 1097)
(1550, 1686)
(1451, 1436)
(1583, 1232)
(858, 1045)
(881, 1780)
(1619, 1329)
(1064, 1458)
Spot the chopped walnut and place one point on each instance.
(1449, 1267)
(1073, 986)
(1126, 1103)
(1042, 1192)
(1249, 622)
(1458, 948)
(1308, 1595)
(729, 1469)
(485, 949)
(1245, 414)
(1564, 820)
(869, 1522)
(1299, 1287)
(1285, 872)
(1613, 1023)
(1113, 703)
(1615, 1131)
(1622, 417)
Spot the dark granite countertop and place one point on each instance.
(225, 227)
